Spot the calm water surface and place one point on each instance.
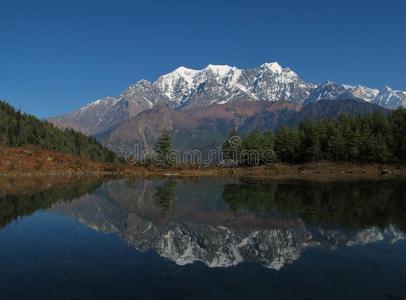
(203, 239)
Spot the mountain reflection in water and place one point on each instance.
(224, 222)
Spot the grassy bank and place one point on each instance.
(309, 171)
(34, 161)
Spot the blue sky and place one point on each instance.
(56, 55)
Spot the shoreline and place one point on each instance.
(34, 162)
(310, 171)
(25, 162)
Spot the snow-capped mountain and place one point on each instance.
(328, 91)
(388, 97)
(186, 88)
(104, 113)
(363, 92)
(223, 84)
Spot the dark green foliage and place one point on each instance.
(162, 149)
(20, 204)
(312, 134)
(256, 142)
(287, 143)
(232, 146)
(164, 196)
(372, 138)
(351, 204)
(18, 129)
(248, 150)
(398, 127)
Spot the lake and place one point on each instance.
(202, 238)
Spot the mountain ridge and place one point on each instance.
(186, 88)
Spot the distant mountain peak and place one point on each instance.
(186, 88)
(220, 70)
(273, 66)
(142, 82)
(387, 88)
(108, 101)
(183, 72)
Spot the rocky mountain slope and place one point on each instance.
(206, 127)
(186, 88)
(196, 128)
(104, 113)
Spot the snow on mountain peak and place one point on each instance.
(179, 84)
(274, 67)
(230, 75)
(185, 72)
(219, 70)
(105, 102)
(143, 82)
(180, 80)
(363, 92)
(180, 73)
(285, 74)
(327, 83)
(387, 88)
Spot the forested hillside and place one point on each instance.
(372, 138)
(18, 129)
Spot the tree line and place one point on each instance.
(371, 138)
(18, 129)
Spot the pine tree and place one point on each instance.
(287, 142)
(398, 128)
(373, 138)
(232, 146)
(19, 129)
(162, 149)
(334, 147)
(310, 148)
(164, 196)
